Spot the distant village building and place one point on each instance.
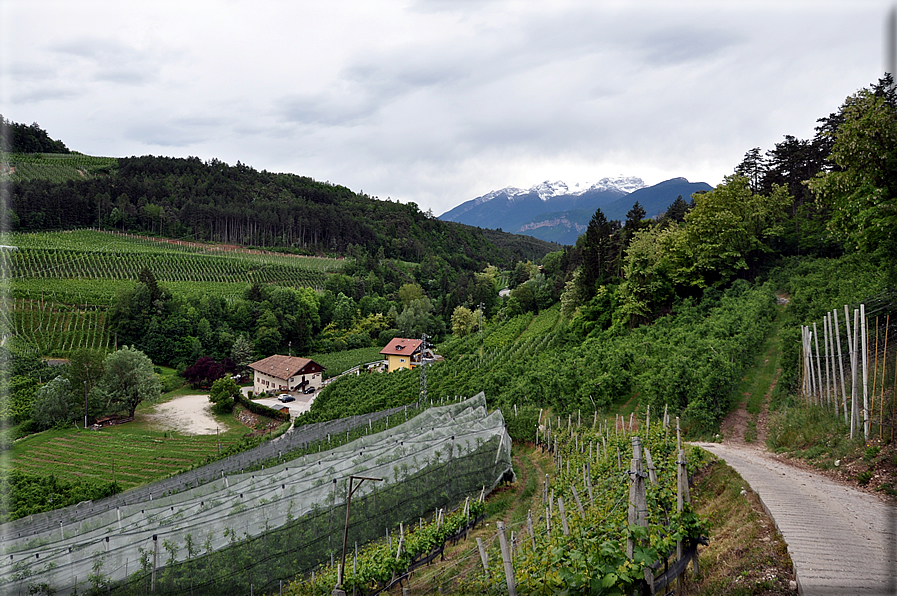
(285, 374)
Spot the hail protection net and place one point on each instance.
(248, 531)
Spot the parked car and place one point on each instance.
(309, 390)
(285, 397)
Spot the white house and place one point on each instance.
(284, 374)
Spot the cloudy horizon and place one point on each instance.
(438, 101)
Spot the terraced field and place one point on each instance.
(60, 284)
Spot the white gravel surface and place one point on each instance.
(187, 414)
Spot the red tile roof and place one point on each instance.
(400, 346)
(283, 367)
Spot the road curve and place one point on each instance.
(842, 541)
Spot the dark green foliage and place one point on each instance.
(522, 424)
(21, 138)
(32, 493)
(676, 211)
(598, 254)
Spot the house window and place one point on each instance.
(291, 379)
(402, 360)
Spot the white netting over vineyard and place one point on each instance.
(255, 528)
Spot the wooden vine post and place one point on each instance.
(506, 558)
(638, 502)
(682, 493)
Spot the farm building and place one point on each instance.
(277, 374)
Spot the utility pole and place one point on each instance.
(338, 589)
(85, 405)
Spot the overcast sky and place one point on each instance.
(438, 101)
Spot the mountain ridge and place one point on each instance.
(551, 211)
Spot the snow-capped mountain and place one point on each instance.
(559, 211)
(509, 208)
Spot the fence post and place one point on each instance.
(587, 472)
(826, 338)
(529, 526)
(506, 559)
(855, 369)
(841, 364)
(819, 363)
(864, 348)
(483, 556)
(682, 493)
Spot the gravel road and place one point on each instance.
(842, 541)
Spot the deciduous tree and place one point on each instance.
(129, 379)
(863, 192)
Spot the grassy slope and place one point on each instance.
(141, 454)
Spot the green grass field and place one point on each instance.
(139, 453)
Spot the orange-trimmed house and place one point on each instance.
(402, 353)
(284, 374)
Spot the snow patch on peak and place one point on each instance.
(509, 191)
(549, 189)
(626, 184)
(558, 188)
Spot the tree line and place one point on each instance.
(213, 201)
(22, 138)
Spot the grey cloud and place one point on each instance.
(111, 61)
(686, 44)
(330, 109)
(44, 93)
(124, 76)
(175, 132)
(22, 72)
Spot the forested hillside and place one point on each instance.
(212, 201)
